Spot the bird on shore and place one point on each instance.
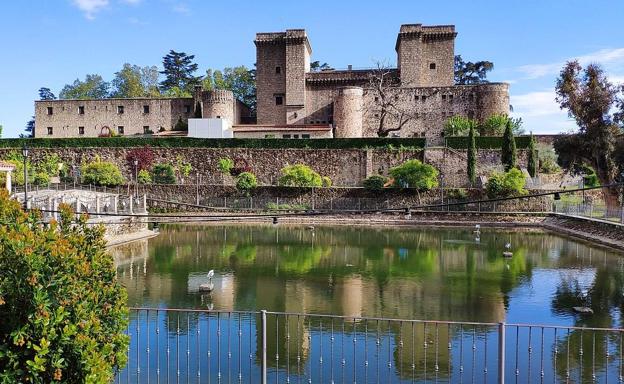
(209, 286)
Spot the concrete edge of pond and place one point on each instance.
(129, 237)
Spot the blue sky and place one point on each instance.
(52, 42)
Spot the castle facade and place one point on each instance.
(293, 100)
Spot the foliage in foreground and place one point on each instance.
(415, 174)
(506, 184)
(63, 312)
(375, 182)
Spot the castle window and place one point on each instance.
(120, 129)
(423, 98)
(450, 97)
(218, 117)
(286, 136)
(376, 98)
(443, 97)
(295, 136)
(146, 129)
(146, 109)
(50, 131)
(278, 70)
(432, 66)
(187, 109)
(81, 110)
(416, 97)
(279, 100)
(50, 110)
(81, 130)
(120, 109)
(305, 136)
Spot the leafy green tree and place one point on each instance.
(163, 173)
(415, 174)
(506, 184)
(135, 81)
(240, 80)
(467, 72)
(93, 87)
(299, 175)
(30, 128)
(178, 70)
(508, 151)
(458, 126)
(246, 181)
(176, 92)
(589, 97)
(532, 159)
(101, 173)
(63, 312)
(316, 66)
(144, 177)
(46, 94)
(472, 155)
(495, 125)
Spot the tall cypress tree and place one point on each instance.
(178, 70)
(472, 155)
(532, 160)
(508, 152)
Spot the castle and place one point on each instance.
(294, 101)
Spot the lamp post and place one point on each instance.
(74, 174)
(25, 154)
(136, 177)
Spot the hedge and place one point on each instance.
(486, 142)
(176, 142)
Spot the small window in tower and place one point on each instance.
(423, 98)
(146, 109)
(376, 98)
(50, 130)
(120, 129)
(81, 110)
(50, 110)
(450, 97)
(279, 100)
(431, 65)
(218, 117)
(81, 130)
(416, 97)
(443, 97)
(120, 109)
(278, 70)
(146, 129)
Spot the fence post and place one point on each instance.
(501, 353)
(264, 347)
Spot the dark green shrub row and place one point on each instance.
(486, 142)
(368, 142)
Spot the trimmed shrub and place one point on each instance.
(41, 178)
(163, 174)
(190, 142)
(506, 184)
(246, 181)
(144, 177)
(375, 182)
(225, 165)
(532, 160)
(508, 150)
(485, 142)
(102, 173)
(414, 174)
(63, 312)
(300, 175)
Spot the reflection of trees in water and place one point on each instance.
(604, 295)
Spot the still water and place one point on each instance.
(401, 273)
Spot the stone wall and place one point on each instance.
(346, 167)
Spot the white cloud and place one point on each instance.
(540, 112)
(605, 57)
(90, 7)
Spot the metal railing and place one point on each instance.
(594, 211)
(171, 345)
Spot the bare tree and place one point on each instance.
(383, 85)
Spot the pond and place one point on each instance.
(360, 271)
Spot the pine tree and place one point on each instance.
(472, 155)
(508, 152)
(532, 160)
(178, 70)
